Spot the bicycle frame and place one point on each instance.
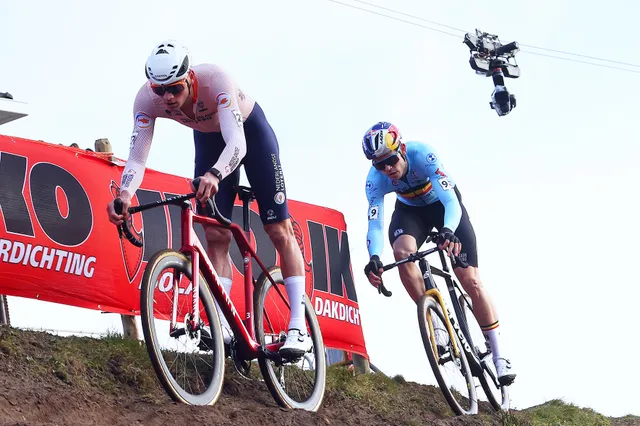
(244, 330)
(455, 325)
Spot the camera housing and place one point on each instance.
(490, 58)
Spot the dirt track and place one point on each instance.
(47, 380)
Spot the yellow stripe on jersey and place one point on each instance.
(416, 192)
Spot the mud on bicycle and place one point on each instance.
(182, 330)
(456, 348)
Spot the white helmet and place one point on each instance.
(169, 62)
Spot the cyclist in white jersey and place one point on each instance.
(230, 129)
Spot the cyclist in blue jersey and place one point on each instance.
(427, 197)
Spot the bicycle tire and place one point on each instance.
(486, 383)
(425, 304)
(277, 390)
(161, 261)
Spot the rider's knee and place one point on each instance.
(401, 252)
(280, 232)
(472, 284)
(217, 236)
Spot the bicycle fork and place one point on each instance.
(452, 326)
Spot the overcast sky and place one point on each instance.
(551, 189)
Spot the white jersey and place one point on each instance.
(219, 105)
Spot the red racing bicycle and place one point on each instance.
(182, 330)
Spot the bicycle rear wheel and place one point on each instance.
(296, 383)
(452, 372)
(188, 356)
(498, 396)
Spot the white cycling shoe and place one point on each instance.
(506, 376)
(297, 344)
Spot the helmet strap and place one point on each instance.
(403, 153)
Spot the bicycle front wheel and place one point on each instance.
(187, 353)
(298, 383)
(452, 371)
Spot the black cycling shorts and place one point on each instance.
(418, 221)
(261, 165)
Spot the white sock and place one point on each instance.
(492, 334)
(226, 329)
(296, 290)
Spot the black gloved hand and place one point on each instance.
(447, 234)
(374, 266)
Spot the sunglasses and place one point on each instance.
(173, 88)
(390, 161)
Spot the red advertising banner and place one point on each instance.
(57, 245)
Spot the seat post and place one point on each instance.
(246, 195)
(246, 219)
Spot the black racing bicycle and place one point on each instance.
(457, 350)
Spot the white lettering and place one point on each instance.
(89, 272)
(26, 255)
(318, 306)
(61, 255)
(79, 264)
(32, 258)
(188, 290)
(17, 247)
(44, 257)
(5, 245)
(165, 282)
(327, 310)
(336, 310)
(47, 257)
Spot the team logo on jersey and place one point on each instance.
(369, 184)
(142, 120)
(279, 197)
(431, 158)
(223, 100)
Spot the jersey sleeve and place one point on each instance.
(443, 187)
(231, 125)
(375, 215)
(140, 144)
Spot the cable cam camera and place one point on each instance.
(490, 58)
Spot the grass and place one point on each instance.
(112, 364)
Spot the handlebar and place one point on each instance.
(124, 228)
(413, 257)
